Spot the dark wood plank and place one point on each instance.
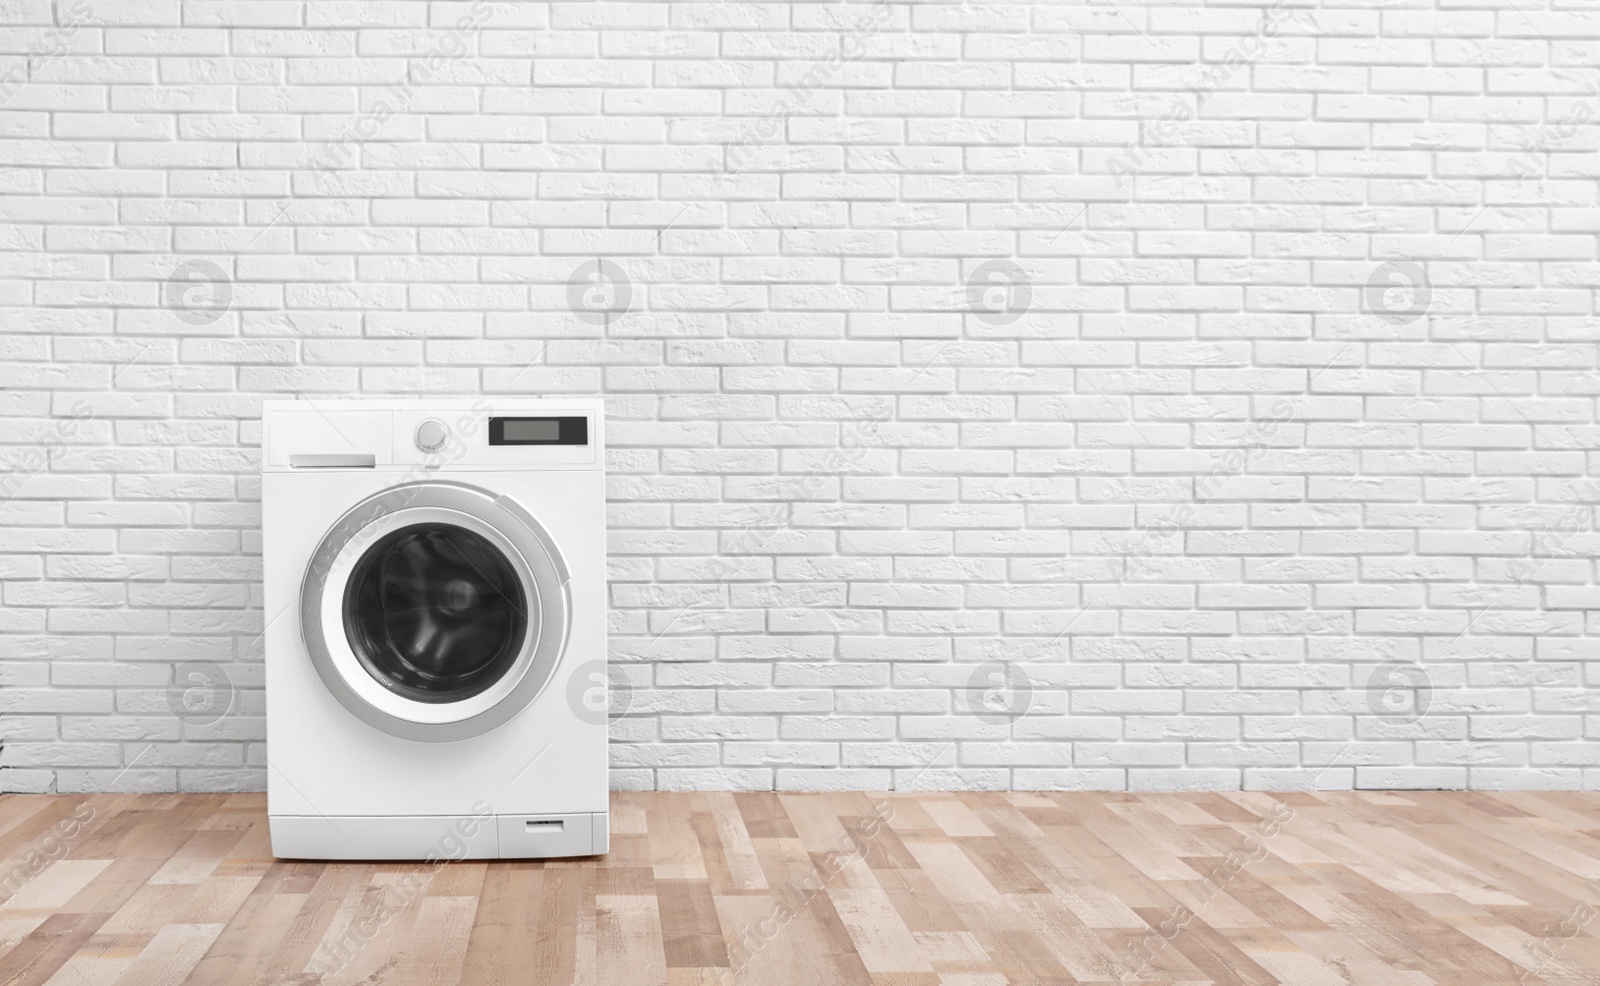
(691, 933)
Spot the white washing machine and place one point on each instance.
(435, 641)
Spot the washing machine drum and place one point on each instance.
(435, 611)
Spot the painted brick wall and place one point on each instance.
(1139, 395)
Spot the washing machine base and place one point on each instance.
(439, 838)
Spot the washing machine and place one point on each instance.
(435, 595)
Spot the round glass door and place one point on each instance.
(435, 611)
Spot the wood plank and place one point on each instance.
(44, 950)
(691, 935)
(501, 947)
(172, 953)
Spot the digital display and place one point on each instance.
(539, 431)
(532, 430)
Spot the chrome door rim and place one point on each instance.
(526, 545)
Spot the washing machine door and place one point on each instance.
(435, 611)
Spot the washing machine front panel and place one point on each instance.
(371, 668)
(435, 611)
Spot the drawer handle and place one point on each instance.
(547, 825)
(333, 461)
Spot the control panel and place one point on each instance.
(468, 434)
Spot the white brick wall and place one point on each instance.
(1211, 478)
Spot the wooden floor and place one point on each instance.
(1392, 889)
